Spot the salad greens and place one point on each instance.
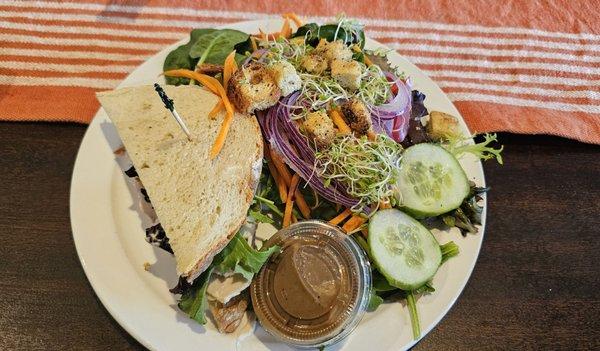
(367, 168)
(458, 146)
(193, 300)
(180, 57)
(468, 214)
(350, 31)
(205, 46)
(214, 47)
(238, 257)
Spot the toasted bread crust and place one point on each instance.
(250, 188)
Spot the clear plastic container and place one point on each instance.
(316, 290)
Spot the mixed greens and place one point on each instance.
(237, 257)
(352, 144)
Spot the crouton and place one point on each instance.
(314, 63)
(442, 125)
(286, 77)
(347, 73)
(319, 129)
(335, 50)
(252, 88)
(358, 116)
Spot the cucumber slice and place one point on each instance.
(403, 250)
(430, 181)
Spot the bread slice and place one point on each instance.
(200, 203)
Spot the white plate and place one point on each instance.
(109, 238)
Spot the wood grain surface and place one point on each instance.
(536, 284)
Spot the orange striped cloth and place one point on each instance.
(526, 66)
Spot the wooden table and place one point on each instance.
(536, 284)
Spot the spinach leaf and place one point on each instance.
(310, 29)
(313, 33)
(214, 47)
(180, 57)
(243, 46)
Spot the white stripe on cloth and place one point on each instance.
(65, 67)
(443, 61)
(72, 54)
(470, 50)
(19, 38)
(76, 29)
(432, 36)
(586, 94)
(507, 77)
(174, 11)
(110, 19)
(560, 106)
(98, 83)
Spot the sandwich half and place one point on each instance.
(201, 203)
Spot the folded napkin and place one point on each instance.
(520, 66)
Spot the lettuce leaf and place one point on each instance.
(449, 250)
(238, 256)
(374, 301)
(193, 301)
(458, 147)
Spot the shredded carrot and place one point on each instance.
(215, 111)
(284, 29)
(302, 205)
(294, 218)
(229, 68)
(266, 36)
(287, 178)
(340, 217)
(289, 204)
(281, 167)
(253, 43)
(214, 86)
(220, 140)
(339, 122)
(353, 223)
(294, 18)
(202, 78)
(368, 61)
(278, 181)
